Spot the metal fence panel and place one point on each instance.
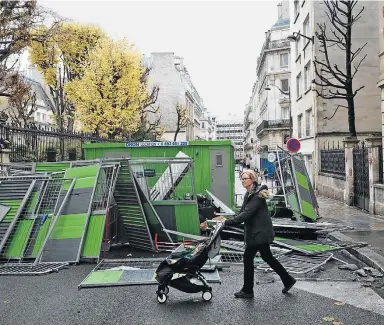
(35, 143)
(333, 161)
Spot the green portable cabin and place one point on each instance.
(213, 161)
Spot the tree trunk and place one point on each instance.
(351, 117)
(176, 133)
(349, 83)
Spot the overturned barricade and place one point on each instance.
(74, 211)
(60, 213)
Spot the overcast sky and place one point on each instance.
(219, 41)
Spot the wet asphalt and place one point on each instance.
(55, 299)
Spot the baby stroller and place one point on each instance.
(181, 270)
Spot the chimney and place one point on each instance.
(284, 10)
(279, 5)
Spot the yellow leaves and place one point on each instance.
(332, 320)
(69, 47)
(75, 42)
(338, 303)
(328, 319)
(182, 113)
(108, 95)
(45, 57)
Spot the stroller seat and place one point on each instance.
(181, 270)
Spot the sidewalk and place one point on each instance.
(367, 228)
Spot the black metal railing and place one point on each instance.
(380, 165)
(283, 123)
(333, 159)
(39, 143)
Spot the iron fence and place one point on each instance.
(333, 160)
(39, 143)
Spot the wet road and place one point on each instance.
(54, 299)
(367, 228)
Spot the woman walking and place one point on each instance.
(259, 234)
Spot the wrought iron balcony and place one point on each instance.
(272, 124)
(271, 45)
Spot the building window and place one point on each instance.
(307, 76)
(203, 125)
(284, 60)
(308, 122)
(297, 48)
(285, 84)
(306, 30)
(38, 117)
(285, 113)
(299, 126)
(299, 85)
(219, 160)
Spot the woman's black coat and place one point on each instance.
(258, 226)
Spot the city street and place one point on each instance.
(328, 295)
(55, 299)
(121, 124)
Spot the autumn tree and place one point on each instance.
(182, 119)
(19, 21)
(149, 127)
(62, 59)
(337, 81)
(23, 105)
(112, 96)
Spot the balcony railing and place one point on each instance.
(278, 44)
(272, 45)
(272, 124)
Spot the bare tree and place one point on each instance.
(23, 106)
(182, 119)
(19, 25)
(149, 128)
(338, 81)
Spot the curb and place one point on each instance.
(364, 254)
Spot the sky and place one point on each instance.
(220, 41)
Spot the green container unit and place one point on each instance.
(213, 162)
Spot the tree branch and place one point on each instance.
(329, 118)
(355, 93)
(327, 96)
(356, 67)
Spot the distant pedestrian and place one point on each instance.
(259, 234)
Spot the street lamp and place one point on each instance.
(294, 37)
(287, 93)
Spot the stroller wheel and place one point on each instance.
(162, 298)
(207, 295)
